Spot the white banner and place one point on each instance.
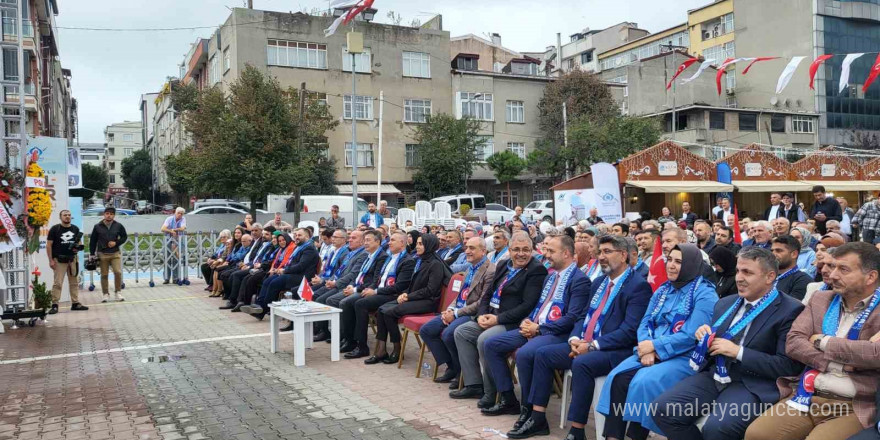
(573, 205)
(53, 158)
(74, 169)
(607, 192)
(35, 182)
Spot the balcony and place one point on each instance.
(11, 95)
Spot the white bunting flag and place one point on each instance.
(787, 74)
(844, 70)
(705, 65)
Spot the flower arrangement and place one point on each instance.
(38, 202)
(42, 295)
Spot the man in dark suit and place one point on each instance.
(347, 270)
(454, 247)
(792, 281)
(686, 215)
(600, 340)
(773, 211)
(369, 276)
(514, 293)
(396, 274)
(232, 283)
(744, 355)
(304, 263)
(562, 303)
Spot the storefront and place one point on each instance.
(841, 176)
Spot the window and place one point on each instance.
(317, 97)
(777, 123)
(227, 63)
(112, 177)
(502, 197)
(681, 121)
(587, 57)
(364, 155)
(730, 49)
(297, 54)
(488, 149)
(748, 122)
(730, 81)
(128, 137)
(517, 147)
(515, 112)
(417, 64)
(363, 107)
(467, 63)
(727, 23)
(362, 61)
(215, 70)
(127, 152)
(110, 139)
(416, 110)
(112, 165)
(731, 102)
(111, 151)
(716, 120)
(541, 194)
(476, 105)
(714, 53)
(532, 68)
(412, 155)
(801, 124)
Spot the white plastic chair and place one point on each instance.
(423, 211)
(404, 215)
(307, 223)
(442, 210)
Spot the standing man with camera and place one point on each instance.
(62, 246)
(108, 236)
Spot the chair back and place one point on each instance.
(405, 214)
(442, 210)
(423, 211)
(307, 223)
(451, 291)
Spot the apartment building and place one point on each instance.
(92, 154)
(122, 140)
(583, 48)
(169, 136)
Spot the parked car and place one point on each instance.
(539, 210)
(100, 211)
(496, 213)
(144, 207)
(217, 210)
(168, 209)
(477, 203)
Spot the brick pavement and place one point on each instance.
(225, 389)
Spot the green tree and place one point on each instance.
(137, 173)
(179, 170)
(610, 140)
(447, 152)
(323, 180)
(506, 165)
(95, 178)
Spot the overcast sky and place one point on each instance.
(112, 69)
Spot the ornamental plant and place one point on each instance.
(42, 295)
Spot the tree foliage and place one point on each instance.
(506, 165)
(447, 151)
(248, 141)
(323, 178)
(94, 178)
(137, 173)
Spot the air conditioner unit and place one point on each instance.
(731, 90)
(707, 35)
(716, 31)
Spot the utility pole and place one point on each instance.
(673, 48)
(302, 110)
(379, 177)
(355, 46)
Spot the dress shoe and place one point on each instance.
(237, 308)
(54, 309)
(229, 305)
(346, 346)
(454, 384)
(525, 412)
(321, 336)
(252, 309)
(357, 353)
(449, 376)
(487, 401)
(286, 328)
(469, 392)
(503, 407)
(372, 360)
(78, 306)
(392, 359)
(259, 316)
(530, 429)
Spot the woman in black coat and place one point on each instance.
(724, 263)
(430, 275)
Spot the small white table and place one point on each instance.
(302, 330)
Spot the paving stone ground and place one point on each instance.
(230, 388)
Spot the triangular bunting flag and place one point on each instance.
(787, 73)
(814, 67)
(875, 70)
(681, 69)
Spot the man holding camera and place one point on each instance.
(62, 246)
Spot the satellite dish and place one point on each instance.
(774, 101)
(799, 103)
(787, 102)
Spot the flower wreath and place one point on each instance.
(11, 182)
(38, 202)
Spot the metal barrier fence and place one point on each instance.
(148, 257)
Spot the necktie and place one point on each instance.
(591, 326)
(739, 337)
(548, 300)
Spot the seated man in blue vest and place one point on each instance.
(346, 271)
(739, 357)
(563, 300)
(604, 337)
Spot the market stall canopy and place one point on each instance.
(677, 186)
(846, 185)
(368, 188)
(753, 169)
(871, 169)
(828, 167)
(669, 168)
(757, 186)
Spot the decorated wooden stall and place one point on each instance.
(840, 174)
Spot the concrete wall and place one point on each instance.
(151, 224)
(489, 54)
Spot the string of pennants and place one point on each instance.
(787, 72)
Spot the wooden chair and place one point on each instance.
(414, 323)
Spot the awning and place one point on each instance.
(755, 186)
(368, 188)
(675, 186)
(846, 185)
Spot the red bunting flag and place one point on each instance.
(814, 67)
(355, 8)
(737, 234)
(874, 72)
(657, 269)
(746, 70)
(681, 68)
(721, 70)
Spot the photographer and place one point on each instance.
(62, 246)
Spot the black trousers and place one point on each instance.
(250, 286)
(232, 284)
(224, 277)
(615, 426)
(390, 313)
(362, 309)
(207, 272)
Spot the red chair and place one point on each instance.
(414, 323)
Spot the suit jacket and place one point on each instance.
(350, 273)
(621, 324)
(374, 273)
(404, 277)
(519, 295)
(428, 281)
(710, 244)
(764, 359)
(452, 256)
(795, 285)
(577, 301)
(862, 355)
(644, 269)
(480, 285)
(303, 265)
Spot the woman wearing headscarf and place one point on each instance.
(429, 277)
(724, 263)
(806, 261)
(666, 338)
(411, 242)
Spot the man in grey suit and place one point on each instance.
(347, 272)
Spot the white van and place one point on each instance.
(476, 201)
(322, 204)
